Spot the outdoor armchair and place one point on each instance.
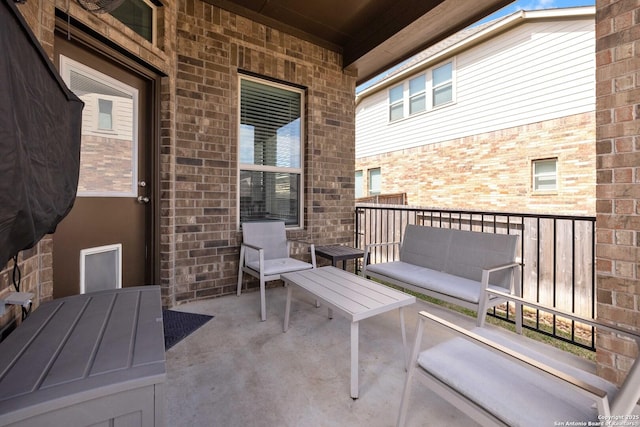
(265, 253)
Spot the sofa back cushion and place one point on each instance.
(425, 246)
(470, 252)
(459, 252)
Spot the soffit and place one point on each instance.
(372, 35)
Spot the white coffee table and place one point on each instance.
(354, 297)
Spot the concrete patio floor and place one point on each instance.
(238, 371)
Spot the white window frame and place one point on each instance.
(535, 175)
(392, 104)
(117, 267)
(266, 168)
(359, 181)
(449, 82)
(111, 115)
(421, 93)
(428, 92)
(370, 190)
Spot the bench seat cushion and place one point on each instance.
(279, 266)
(511, 392)
(437, 281)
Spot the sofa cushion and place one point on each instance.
(448, 284)
(505, 388)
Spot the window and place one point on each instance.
(396, 104)
(545, 175)
(417, 95)
(270, 151)
(421, 93)
(105, 114)
(140, 16)
(375, 181)
(442, 84)
(359, 186)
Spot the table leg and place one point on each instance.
(354, 360)
(404, 339)
(287, 309)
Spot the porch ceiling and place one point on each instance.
(372, 35)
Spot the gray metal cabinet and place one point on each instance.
(94, 359)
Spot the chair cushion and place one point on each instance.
(437, 281)
(506, 388)
(280, 265)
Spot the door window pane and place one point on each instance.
(109, 145)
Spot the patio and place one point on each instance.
(236, 370)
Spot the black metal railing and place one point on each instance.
(557, 253)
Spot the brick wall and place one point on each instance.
(492, 171)
(200, 50)
(200, 172)
(618, 179)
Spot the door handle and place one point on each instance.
(143, 199)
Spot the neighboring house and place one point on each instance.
(497, 117)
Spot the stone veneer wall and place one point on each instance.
(618, 179)
(212, 46)
(493, 172)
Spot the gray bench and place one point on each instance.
(451, 265)
(498, 379)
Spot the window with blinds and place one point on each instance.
(270, 151)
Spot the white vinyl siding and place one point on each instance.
(537, 71)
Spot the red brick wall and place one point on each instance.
(493, 171)
(618, 179)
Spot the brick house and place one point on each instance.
(498, 117)
(191, 66)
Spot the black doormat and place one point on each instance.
(178, 325)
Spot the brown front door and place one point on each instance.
(113, 205)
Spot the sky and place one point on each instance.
(507, 10)
(535, 5)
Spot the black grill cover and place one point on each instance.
(40, 124)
